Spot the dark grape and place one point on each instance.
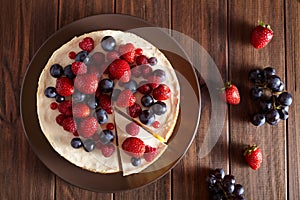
(273, 82)
(211, 180)
(267, 94)
(280, 87)
(238, 190)
(272, 117)
(229, 178)
(256, 75)
(228, 187)
(265, 106)
(269, 71)
(256, 92)
(219, 173)
(285, 99)
(258, 119)
(283, 114)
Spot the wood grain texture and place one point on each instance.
(69, 11)
(292, 35)
(156, 12)
(269, 181)
(22, 174)
(205, 22)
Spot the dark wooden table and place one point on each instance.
(223, 28)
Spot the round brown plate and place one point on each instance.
(184, 131)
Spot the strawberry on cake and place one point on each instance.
(94, 86)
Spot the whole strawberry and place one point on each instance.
(253, 156)
(261, 35)
(232, 95)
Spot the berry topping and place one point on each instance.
(150, 153)
(146, 70)
(69, 124)
(106, 136)
(159, 108)
(132, 129)
(65, 108)
(79, 68)
(110, 126)
(87, 127)
(86, 83)
(59, 98)
(50, 92)
(92, 102)
(112, 55)
(130, 85)
(56, 71)
(106, 85)
(136, 161)
(98, 57)
(81, 56)
(253, 156)
(87, 44)
(72, 55)
(134, 147)
(64, 86)
(89, 145)
(105, 103)
(59, 119)
(144, 88)
(125, 99)
(115, 94)
(162, 92)
(154, 81)
(107, 150)
(78, 97)
(101, 116)
(160, 73)
(147, 117)
(76, 143)
(68, 72)
(152, 61)
(138, 51)
(81, 110)
(108, 43)
(136, 71)
(53, 106)
(120, 70)
(147, 100)
(127, 52)
(135, 110)
(141, 60)
(156, 124)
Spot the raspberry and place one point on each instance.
(112, 55)
(69, 124)
(81, 110)
(141, 60)
(88, 126)
(105, 103)
(162, 92)
(125, 99)
(53, 106)
(64, 86)
(87, 44)
(98, 57)
(134, 147)
(135, 110)
(110, 126)
(65, 107)
(60, 118)
(150, 153)
(78, 68)
(72, 55)
(132, 129)
(144, 88)
(107, 150)
(120, 70)
(86, 83)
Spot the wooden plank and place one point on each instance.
(70, 11)
(292, 16)
(22, 174)
(156, 12)
(269, 181)
(205, 22)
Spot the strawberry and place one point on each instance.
(64, 86)
(65, 107)
(86, 83)
(132, 129)
(105, 103)
(135, 110)
(150, 153)
(88, 126)
(134, 147)
(69, 124)
(78, 68)
(232, 95)
(261, 35)
(162, 92)
(107, 149)
(127, 52)
(81, 110)
(120, 70)
(87, 44)
(125, 99)
(253, 156)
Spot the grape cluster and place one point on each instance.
(272, 100)
(224, 187)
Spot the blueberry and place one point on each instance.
(59, 98)
(89, 145)
(108, 43)
(56, 70)
(130, 85)
(160, 73)
(159, 108)
(92, 102)
(106, 85)
(147, 117)
(152, 61)
(101, 116)
(147, 100)
(115, 94)
(106, 136)
(81, 56)
(68, 72)
(78, 96)
(76, 143)
(258, 119)
(135, 161)
(50, 92)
